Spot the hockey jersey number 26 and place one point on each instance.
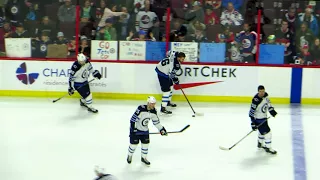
(80, 74)
(169, 66)
(260, 107)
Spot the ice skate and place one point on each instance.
(91, 109)
(171, 104)
(165, 111)
(270, 150)
(145, 161)
(129, 159)
(82, 104)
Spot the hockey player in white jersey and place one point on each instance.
(166, 70)
(258, 114)
(139, 130)
(102, 175)
(78, 80)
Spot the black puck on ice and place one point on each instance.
(193, 115)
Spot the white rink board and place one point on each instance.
(142, 79)
(310, 83)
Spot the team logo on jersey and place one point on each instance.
(14, 10)
(25, 77)
(145, 19)
(264, 108)
(145, 122)
(246, 43)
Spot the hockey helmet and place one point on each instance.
(151, 100)
(81, 57)
(98, 170)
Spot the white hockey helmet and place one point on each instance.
(151, 100)
(81, 57)
(99, 170)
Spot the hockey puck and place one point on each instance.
(193, 115)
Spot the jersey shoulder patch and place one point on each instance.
(75, 67)
(142, 108)
(154, 111)
(256, 99)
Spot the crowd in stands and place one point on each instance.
(293, 24)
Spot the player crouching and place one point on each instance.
(139, 130)
(166, 70)
(80, 72)
(258, 114)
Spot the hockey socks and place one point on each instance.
(267, 138)
(165, 99)
(88, 101)
(144, 153)
(131, 149)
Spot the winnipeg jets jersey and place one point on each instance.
(80, 73)
(140, 120)
(260, 107)
(106, 177)
(168, 66)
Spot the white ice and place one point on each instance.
(62, 141)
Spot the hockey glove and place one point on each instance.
(175, 80)
(163, 132)
(272, 112)
(254, 126)
(96, 74)
(71, 91)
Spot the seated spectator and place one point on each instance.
(193, 25)
(100, 9)
(198, 35)
(210, 17)
(236, 3)
(309, 18)
(40, 47)
(291, 17)
(146, 19)
(247, 41)
(315, 51)
(108, 14)
(60, 39)
(271, 39)
(231, 17)
(304, 57)
(225, 37)
(46, 26)
(89, 29)
(142, 36)
(67, 12)
(139, 5)
(87, 12)
(216, 4)
(20, 32)
(84, 46)
(233, 54)
(15, 11)
(108, 32)
(196, 13)
(72, 48)
(5, 32)
(34, 13)
(304, 36)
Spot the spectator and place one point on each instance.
(315, 51)
(271, 40)
(67, 12)
(304, 36)
(193, 25)
(216, 4)
(146, 19)
(225, 37)
(236, 3)
(34, 13)
(124, 20)
(43, 45)
(15, 11)
(46, 26)
(309, 18)
(87, 12)
(84, 46)
(247, 41)
(231, 16)
(60, 39)
(196, 13)
(291, 17)
(20, 32)
(142, 36)
(5, 32)
(210, 17)
(108, 32)
(107, 14)
(198, 35)
(138, 5)
(285, 37)
(72, 48)
(100, 9)
(89, 29)
(304, 57)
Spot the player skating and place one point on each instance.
(102, 176)
(139, 130)
(258, 113)
(166, 70)
(80, 72)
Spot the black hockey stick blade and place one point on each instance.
(171, 132)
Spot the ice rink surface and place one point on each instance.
(62, 141)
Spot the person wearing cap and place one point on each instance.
(61, 39)
(101, 175)
(20, 32)
(196, 13)
(310, 19)
(305, 57)
(139, 130)
(107, 32)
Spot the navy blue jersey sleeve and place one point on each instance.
(254, 104)
(74, 68)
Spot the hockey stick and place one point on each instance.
(194, 113)
(228, 149)
(171, 132)
(76, 89)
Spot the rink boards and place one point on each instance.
(210, 83)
